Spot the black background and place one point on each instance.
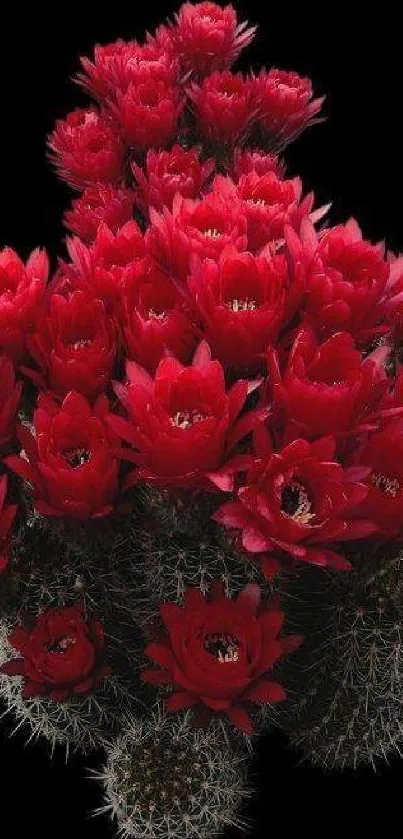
(353, 159)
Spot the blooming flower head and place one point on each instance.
(219, 653)
(202, 226)
(22, 289)
(86, 148)
(381, 460)
(183, 422)
(298, 501)
(61, 654)
(208, 37)
(148, 113)
(120, 64)
(99, 269)
(168, 172)
(326, 388)
(247, 160)
(346, 279)
(74, 345)
(285, 104)
(240, 303)
(10, 394)
(269, 204)
(70, 461)
(7, 516)
(154, 318)
(99, 204)
(223, 107)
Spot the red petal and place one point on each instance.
(179, 701)
(265, 691)
(160, 654)
(240, 718)
(249, 597)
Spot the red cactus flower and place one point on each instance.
(393, 305)
(381, 459)
(7, 516)
(100, 268)
(246, 161)
(285, 104)
(298, 501)
(61, 654)
(345, 280)
(99, 204)
(154, 318)
(208, 37)
(21, 294)
(240, 304)
(183, 422)
(326, 388)
(168, 172)
(74, 346)
(10, 394)
(269, 204)
(118, 65)
(223, 107)
(219, 653)
(202, 226)
(148, 113)
(86, 149)
(70, 462)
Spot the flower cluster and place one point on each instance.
(206, 334)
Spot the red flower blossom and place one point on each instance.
(148, 113)
(298, 501)
(183, 422)
(223, 107)
(285, 105)
(61, 654)
(154, 318)
(220, 653)
(393, 305)
(208, 37)
(74, 346)
(202, 226)
(7, 516)
(240, 304)
(168, 172)
(269, 204)
(247, 160)
(345, 280)
(100, 268)
(326, 388)
(21, 294)
(381, 461)
(70, 461)
(118, 65)
(10, 394)
(99, 204)
(86, 148)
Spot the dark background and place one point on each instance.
(353, 159)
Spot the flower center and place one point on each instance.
(224, 647)
(60, 645)
(295, 503)
(212, 233)
(156, 315)
(77, 457)
(80, 344)
(185, 419)
(242, 305)
(257, 202)
(389, 486)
